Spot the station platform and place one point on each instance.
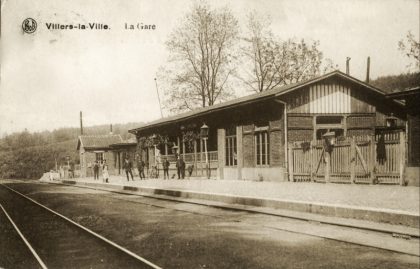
(376, 207)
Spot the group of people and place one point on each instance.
(104, 166)
(141, 166)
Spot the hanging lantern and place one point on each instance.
(204, 131)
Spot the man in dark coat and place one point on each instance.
(127, 167)
(180, 167)
(165, 165)
(96, 170)
(140, 167)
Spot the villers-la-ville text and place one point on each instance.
(97, 26)
(89, 26)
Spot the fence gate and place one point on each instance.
(362, 159)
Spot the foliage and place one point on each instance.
(189, 137)
(397, 82)
(202, 52)
(410, 47)
(305, 146)
(32, 162)
(276, 63)
(29, 155)
(151, 140)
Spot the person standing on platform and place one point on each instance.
(127, 167)
(146, 165)
(140, 167)
(165, 165)
(96, 170)
(180, 167)
(105, 174)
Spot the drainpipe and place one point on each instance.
(286, 155)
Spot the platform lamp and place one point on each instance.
(329, 142)
(204, 133)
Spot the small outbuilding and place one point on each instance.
(96, 148)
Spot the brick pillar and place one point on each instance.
(221, 134)
(239, 153)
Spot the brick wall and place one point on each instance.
(300, 128)
(300, 122)
(360, 132)
(90, 158)
(248, 145)
(360, 122)
(300, 135)
(277, 147)
(414, 140)
(221, 134)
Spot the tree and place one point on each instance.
(395, 83)
(411, 48)
(276, 63)
(202, 52)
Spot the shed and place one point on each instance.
(96, 148)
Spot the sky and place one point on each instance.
(48, 76)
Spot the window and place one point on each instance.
(321, 132)
(262, 146)
(329, 123)
(329, 119)
(231, 147)
(100, 157)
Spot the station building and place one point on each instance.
(411, 97)
(248, 137)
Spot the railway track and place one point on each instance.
(330, 232)
(56, 241)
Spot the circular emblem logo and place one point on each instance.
(29, 25)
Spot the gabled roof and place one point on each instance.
(278, 91)
(98, 141)
(124, 144)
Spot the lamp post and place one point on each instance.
(155, 143)
(329, 141)
(204, 133)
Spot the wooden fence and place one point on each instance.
(351, 160)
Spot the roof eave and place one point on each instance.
(133, 131)
(97, 148)
(404, 93)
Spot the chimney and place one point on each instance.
(81, 123)
(348, 65)
(110, 129)
(368, 70)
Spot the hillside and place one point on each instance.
(397, 82)
(29, 155)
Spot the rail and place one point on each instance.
(98, 236)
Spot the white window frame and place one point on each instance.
(262, 159)
(231, 149)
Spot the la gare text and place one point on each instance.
(140, 26)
